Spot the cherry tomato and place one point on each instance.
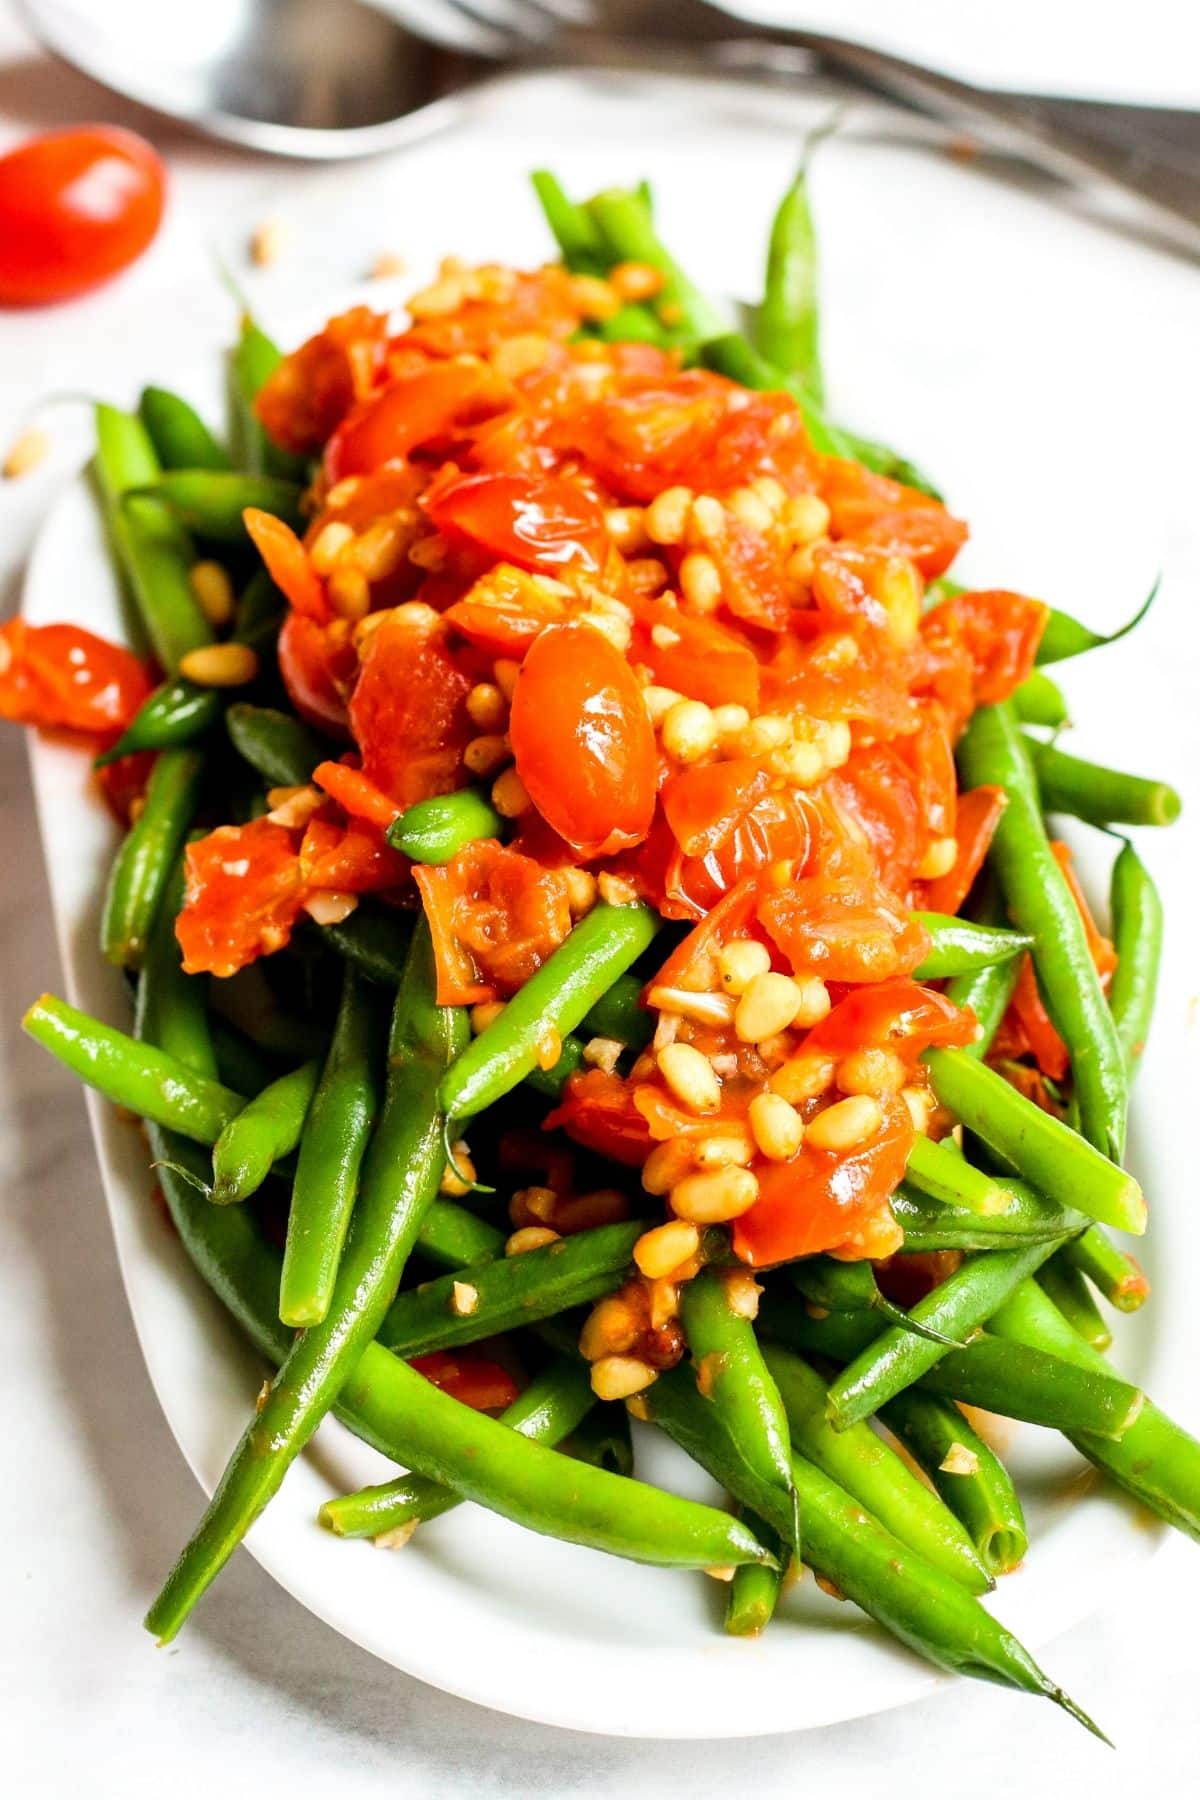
(408, 710)
(537, 523)
(244, 894)
(350, 859)
(310, 392)
(842, 928)
(76, 207)
(504, 611)
(287, 562)
(775, 829)
(392, 425)
(61, 675)
(316, 672)
(998, 631)
(892, 1015)
(583, 742)
(703, 804)
(977, 814)
(598, 1111)
(495, 916)
(469, 1376)
(698, 657)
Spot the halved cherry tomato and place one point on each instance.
(317, 670)
(469, 1376)
(408, 710)
(823, 1200)
(874, 510)
(696, 656)
(76, 207)
(538, 523)
(244, 894)
(310, 392)
(583, 742)
(61, 675)
(977, 815)
(690, 964)
(405, 416)
(842, 929)
(287, 563)
(899, 1015)
(877, 791)
(350, 859)
(703, 804)
(752, 583)
(504, 611)
(598, 1111)
(775, 829)
(1000, 632)
(494, 916)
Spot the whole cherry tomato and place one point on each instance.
(583, 741)
(76, 207)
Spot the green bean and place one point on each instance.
(1052, 1158)
(171, 1009)
(435, 830)
(988, 992)
(966, 1472)
(334, 1141)
(942, 1172)
(248, 1000)
(211, 502)
(959, 947)
(552, 1081)
(992, 752)
(1137, 927)
(400, 1177)
(175, 714)
(920, 1605)
(239, 1063)
(934, 1225)
(1155, 1459)
(252, 360)
(267, 1129)
(454, 1238)
(755, 1588)
(602, 1438)
(959, 1305)
(1102, 796)
(787, 324)
(151, 547)
(282, 749)
(1007, 1378)
(179, 435)
(573, 229)
(627, 232)
(1073, 1298)
(146, 1081)
(638, 324)
(1065, 636)
(620, 1015)
(374, 940)
(259, 612)
(571, 980)
(511, 1291)
(1040, 701)
(142, 866)
(1119, 1276)
(405, 1417)
(550, 1409)
(738, 1387)
(861, 1463)
(852, 1287)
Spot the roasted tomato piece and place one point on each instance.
(842, 929)
(495, 916)
(317, 668)
(536, 522)
(61, 675)
(287, 563)
(505, 610)
(583, 742)
(243, 895)
(874, 510)
(468, 1376)
(1000, 633)
(350, 859)
(752, 584)
(826, 1200)
(775, 829)
(410, 413)
(877, 791)
(696, 656)
(703, 804)
(641, 442)
(598, 1111)
(892, 1015)
(307, 396)
(408, 710)
(977, 815)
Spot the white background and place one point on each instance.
(258, 1696)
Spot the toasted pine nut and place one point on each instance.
(485, 1013)
(397, 1537)
(509, 796)
(803, 1077)
(213, 592)
(959, 1460)
(702, 1007)
(617, 1377)
(456, 1181)
(506, 672)
(777, 1126)
(24, 454)
(594, 298)
(615, 890)
(690, 1077)
(269, 241)
(708, 518)
(800, 765)
(532, 1205)
(349, 593)
(530, 1237)
(659, 701)
(663, 637)
(636, 280)
(767, 731)
(581, 891)
(804, 518)
(871, 1071)
(667, 515)
(768, 1004)
(486, 707)
(725, 1573)
(608, 625)
(739, 961)
(293, 807)
(626, 526)
(219, 665)
(846, 1124)
(700, 581)
(603, 1053)
(328, 545)
(920, 1106)
(666, 1164)
(663, 1249)
(689, 731)
(484, 755)
(899, 593)
(387, 264)
(939, 858)
(381, 549)
(771, 492)
(330, 906)
(711, 1199)
(463, 1299)
(726, 1149)
(751, 509)
(610, 1328)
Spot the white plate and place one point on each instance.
(474, 1605)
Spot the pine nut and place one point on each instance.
(330, 906)
(667, 515)
(689, 731)
(213, 592)
(846, 1124)
(486, 707)
(959, 1460)
(723, 1150)
(530, 1237)
(387, 264)
(532, 1205)
(594, 298)
(615, 890)
(663, 1249)
(768, 731)
(700, 582)
(581, 891)
(708, 518)
(383, 547)
(771, 492)
(293, 807)
(803, 1077)
(328, 545)
(464, 1299)
(485, 1013)
(219, 665)
(690, 1077)
(484, 755)
(814, 1000)
(626, 526)
(920, 1106)
(664, 1303)
(899, 593)
(805, 517)
(608, 625)
(800, 765)
(666, 1164)
(506, 672)
(349, 593)
(664, 637)
(769, 1004)
(711, 1199)
(397, 1537)
(24, 454)
(778, 1128)
(730, 719)
(939, 858)
(603, 1053)
(659, 701)
(636, 280)
(456, 1181)
(617, 1377)
(509, 796)
(871, 1072)
(702, 1008)
(751, 509)
(739, 961)
(269, 241)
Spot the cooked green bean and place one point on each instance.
(283, 749)
(941, 1171)
(267, 1129)
(602, 1438)
(1040, 701)
(575, 233)
(175, 714)
(211, 502)
(374, 940)
(1137, 927)
(1029, 1219)
(852, 1287)
(171, 1009)
(434, 830)
(1119, 1276)
(253, 358)
(755, 1588)
(179, 435)
(959, 947)
(966, 1472)
(787, 324)
(142, 866)
(1101, 796)
(620, 1015)
(627, 232)
(1065, 636)
(732, 355)
(1073, 1298)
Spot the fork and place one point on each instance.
(1076, 142)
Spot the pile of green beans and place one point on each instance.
(331, 1082)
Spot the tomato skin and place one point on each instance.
(583, 742)
(775, 829)
(408, 710)
(494, 916)
(598, 1111)
(244, 894)
(700, 657)
(76, 207)
(977, 814)
(303, 400)
(468, 1376)
(537, 523)
(62, 676)
(504, 611)
(311, 669)
(896, 1015)
(390, 426)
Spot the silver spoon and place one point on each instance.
(314, 78)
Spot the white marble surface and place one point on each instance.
(258, 1696)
